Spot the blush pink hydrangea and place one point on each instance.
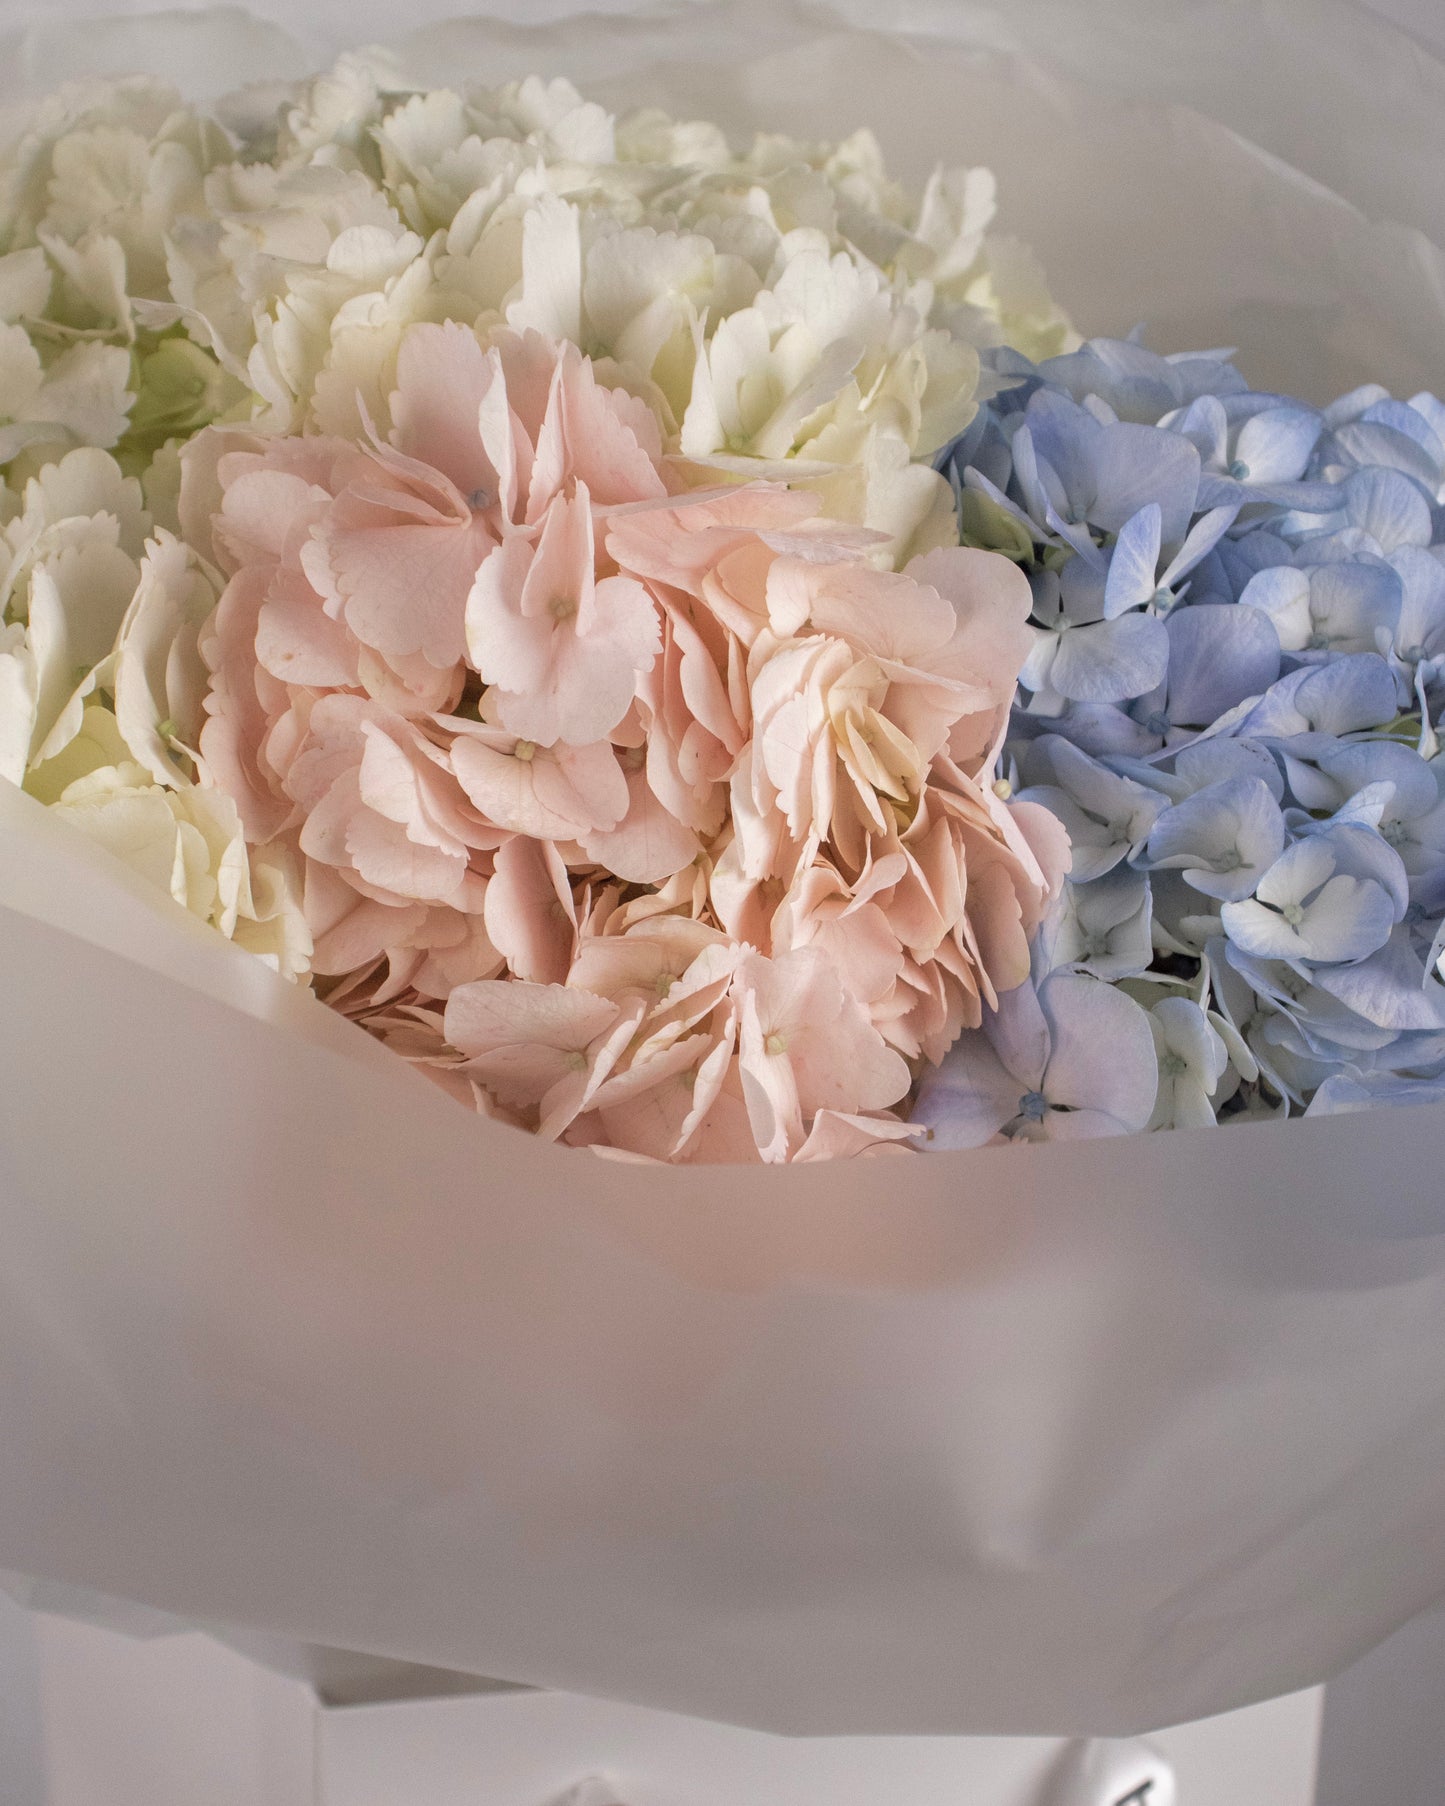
(650, 820)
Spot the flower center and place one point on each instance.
(562, 608)
(1293, 914)
(1171, 1066)
(525, 750)
(1239, 471)
(776, 1043)
(479, 498)
(1034, 1105)
(576, 1062)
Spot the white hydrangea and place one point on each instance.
(784, 306)
(55, 392)
(101, 691)
(91, 194)
(98, 179)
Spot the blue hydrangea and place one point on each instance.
(1231, 704)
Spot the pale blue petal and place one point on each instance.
(1372, 442)
(1346, 1092)
(1205, 425)
(1355, 403)
(1189, 1036)
(1091, 1125)
(1364, 809)
(1354, 693)
(1047, 593)
(1388, 507)
(1410, 422)
(1062, 436)
(1207, 761)
(968, 1099)
(1135, 465)
(1134, 562)
(1112, 661)
(1279, 987)
(1309, 787)
(1363, 853)
(1081, 588)
(1219, 655)
(1359, 763)
(1128, 806)
(1018, 1031)
(1200, 541)
(1282, 595)
(1104, 731)
(1275, 446)
(1262, 933)
(1391, 988)
(1223, 838)
(1420, 629)
(1027, 477)
(1431, 410)
(976, 479)
(1348, 919)
(1097, 848)
(1298, 873)
(1354, 607)
(1084, 1017)
(1103, 927)
(1035, 672)
(1257, 550)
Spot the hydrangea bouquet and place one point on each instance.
(548, 583)
(536, 626)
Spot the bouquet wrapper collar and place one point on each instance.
(1071, 1438)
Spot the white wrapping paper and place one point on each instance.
(1076, 1438)
(1084, 1438)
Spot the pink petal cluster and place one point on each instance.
(655, 821)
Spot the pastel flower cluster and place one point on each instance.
(545, 581)
(1238, 662)
(666, 819)
(90, 198)
(101, 688)
(486, 558)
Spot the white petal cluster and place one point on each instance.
(787, 305)
(90, 196)
(101, 687)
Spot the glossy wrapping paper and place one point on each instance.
(1086, 1437)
